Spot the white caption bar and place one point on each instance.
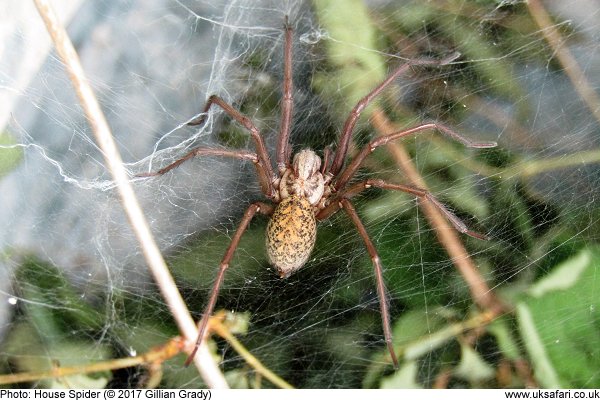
(346, 394)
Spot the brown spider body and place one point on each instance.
(304, 193)
(292, 229)
(291, 234)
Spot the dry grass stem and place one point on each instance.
(206, 366)
(565, 57)
(156, 355)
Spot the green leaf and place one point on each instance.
(466, 37)
(417, 325)
(564, 277)
(74, 353)
(353, 38)
(559, 323)
(504, 336)
(404, 378)
(472, 367)
(52, 302)
(79, 382)
(545, 372)
(32, 354)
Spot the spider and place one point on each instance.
(308, 189)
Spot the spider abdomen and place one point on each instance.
(291, 234)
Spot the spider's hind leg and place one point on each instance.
(381, 292)
(423, 194)
(248, 215)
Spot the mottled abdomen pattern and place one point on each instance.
(291, 234)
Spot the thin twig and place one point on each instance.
(217, 326)
(565, 57)
(156, 355)
(528, 169)
(415, 349)
(447, 235)
(206, 366)
(522, 169)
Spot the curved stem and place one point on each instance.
(205, 364)
(221, 329)
(156, 355)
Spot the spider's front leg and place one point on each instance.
(345, 175)
(261, 150)
(381, 292)
(261, 159)
(200, 151)
(287, 102)
(342, 149)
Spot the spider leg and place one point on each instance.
(248, 215)
(351, 169)
(287, 103)
(423, 194)
(381, 292)
(261, 149)
(265, 182)
(326, 160)
(342, 148)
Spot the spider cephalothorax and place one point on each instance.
(304, 193)
(303, 178)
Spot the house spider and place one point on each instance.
(309, 190)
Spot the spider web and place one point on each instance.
(75, 289)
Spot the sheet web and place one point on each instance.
(76, 285)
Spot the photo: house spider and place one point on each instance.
(304, 189)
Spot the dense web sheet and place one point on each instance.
(75, 289)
